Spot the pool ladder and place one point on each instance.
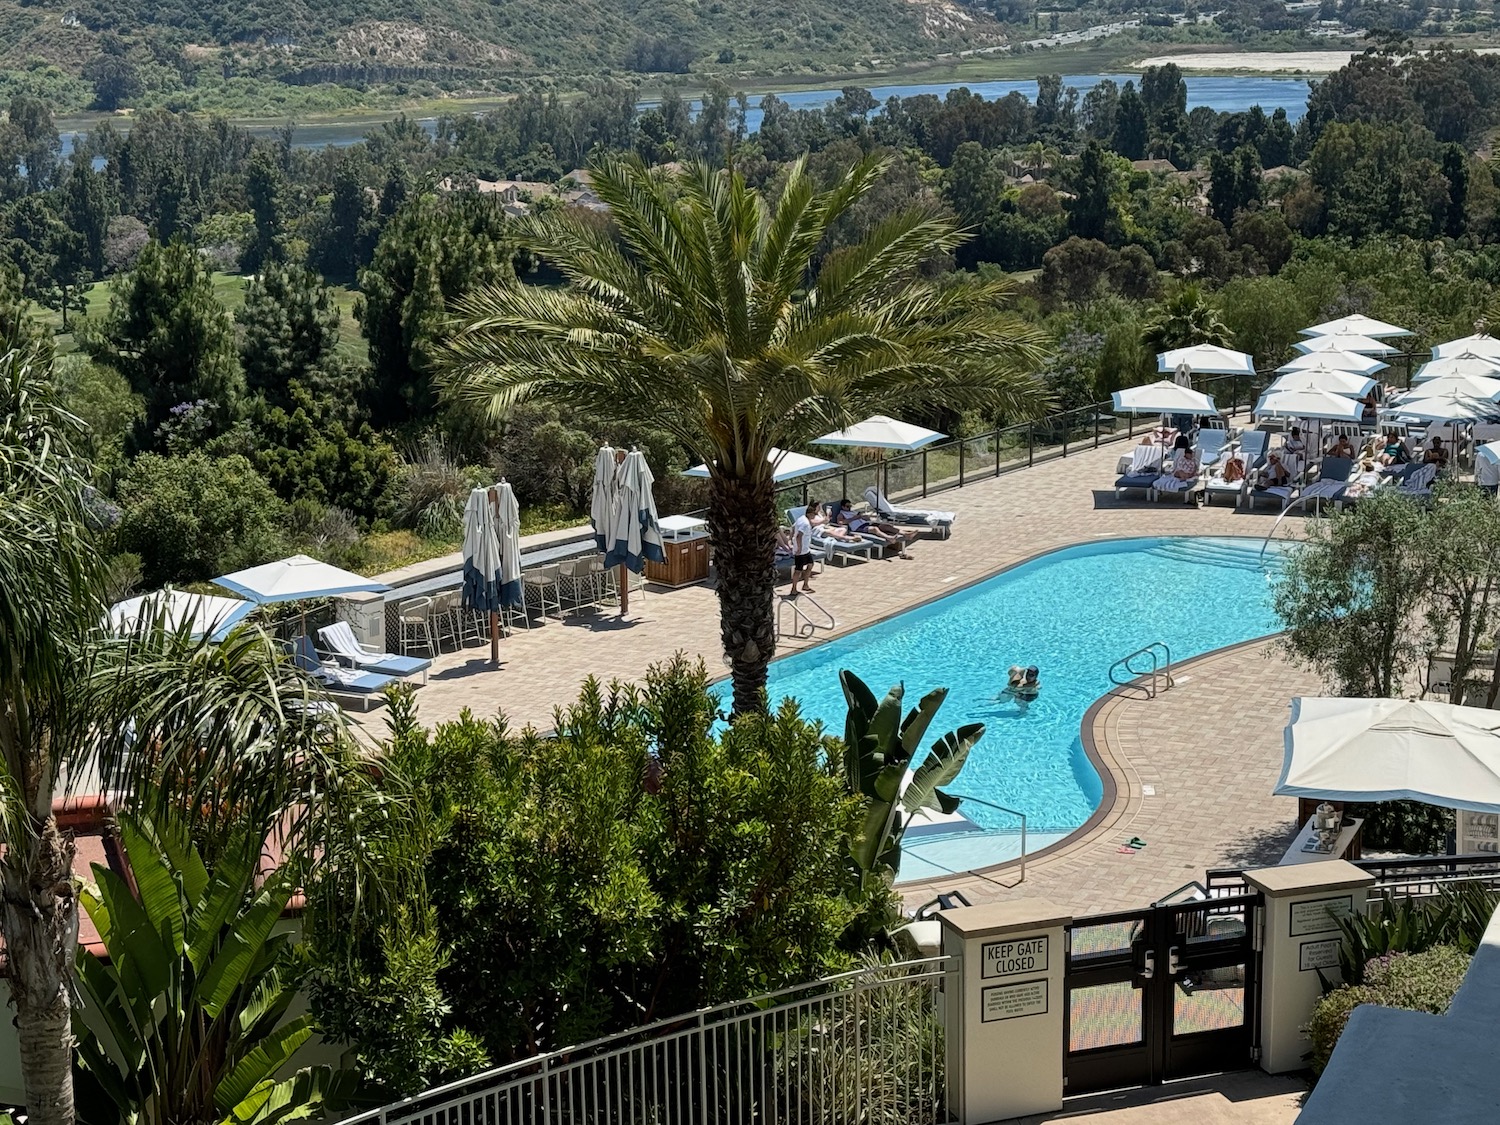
(1157, 676)
(803, 623)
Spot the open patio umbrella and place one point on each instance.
(1334, 361)
(296, 578)
(1320, 405)
(1344, 342)
(1392, 750)
(1163, 397)
(1464, 386)
(1466, 364)
(1206, 359)
(789, 466)
(634, 532)
(202, 614)
(1357, 324)
(1345, 383)
(1448, 409)
(1480, 344)
(881, 433)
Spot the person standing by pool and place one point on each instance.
(802, 559)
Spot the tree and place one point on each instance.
(432, 252)
(265, 188)
(168, 335)
(1183, 319)
(115, 80)
(86, 210)
(19, 330)
(348, 237)
(1131, 130)
(196, 982)
(290, 333)
(712, 325)
(1075, 270)
(36, 139)
(1092, 212)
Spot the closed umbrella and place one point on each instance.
(1464, 386)
(1392, 750)
(635, 534)
(880, 433)
(1480, 344)
(1333, 361)
(1344, 383)
(1344, 342)
(1206, 359)
(485, 589)
(788, 466)
(1321, 405)
(1357, 324)
(1466, 364)
(604, 483)
(201, 614)
(1163, 397)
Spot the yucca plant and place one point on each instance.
(184, 1021)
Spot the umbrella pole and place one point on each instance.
(623, 581)
(494, 637)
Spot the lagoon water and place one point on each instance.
(1226, 93)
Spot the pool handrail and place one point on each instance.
(1160, 670)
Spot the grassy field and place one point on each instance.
(229, 288)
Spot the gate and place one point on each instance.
(1165, 992)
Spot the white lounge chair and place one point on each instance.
(834, 547)
(941, 522)
(1168, 485)
(1332, 482)
(340, 642)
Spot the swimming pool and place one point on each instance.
(1073, 613)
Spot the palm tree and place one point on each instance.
(718, 318)
(1184, 319)
(224, 734)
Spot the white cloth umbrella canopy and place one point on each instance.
(295, 578)
(1357, 324)
(1344, 342)
(201, 614)
(1464, 386)
(1334, 361)
(1392, 750)
(603, 495)
(1480, 344)
(1345, 383)
(1466, 364)
(789, 466)
(507, 518)
(481, 589)
(1445, 408)
(635, 535)
(1206, 359)
(1164, 397)
(1322, 405)
(880, 432)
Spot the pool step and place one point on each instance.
(1210, 553)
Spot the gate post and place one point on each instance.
(1299, 938)
(1005, 1025)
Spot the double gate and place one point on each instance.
(1166, 992)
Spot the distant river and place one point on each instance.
(1229, 94)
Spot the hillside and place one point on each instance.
(470, 44)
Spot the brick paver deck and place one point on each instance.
(1195, 745)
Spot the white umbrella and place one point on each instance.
(1206, 359)
(635, 534)
(296, 578)
(1345, 383)
(1393, 750)
(604, 483)
(1445, 408)
(484, 563)
(1344, 342)
(880, 432)
(1480, 344)
(789, 466)
(1164, 397)
(1466, 386)
(1357, 324)
(1322, 405)
(176, 609)
(1334, 361)
(1466, 364)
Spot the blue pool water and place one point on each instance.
(1072, 613)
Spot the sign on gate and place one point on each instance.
(1010, 1001)
(1014, 958)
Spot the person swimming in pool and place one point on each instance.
(1023, 686)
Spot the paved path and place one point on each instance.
(1246, 1097)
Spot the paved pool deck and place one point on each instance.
(1205, 747)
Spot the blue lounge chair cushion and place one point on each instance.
(362, 683)
(393, 665)
(1139, 480)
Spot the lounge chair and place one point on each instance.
(834, 547)
(360, 688)
(941, 522)
(1211, 446)
(340, 642)
(1280, 494)
(1418, 483)
(1141, 476)
(1332, 483)
(1252, 449)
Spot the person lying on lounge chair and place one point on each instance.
(888, 533)
(1341, 448)
(1394, 451)
(1274, 475)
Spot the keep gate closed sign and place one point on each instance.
(1014, 957)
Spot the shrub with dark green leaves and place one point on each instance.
(1418, 982)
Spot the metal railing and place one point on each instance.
(1123, 672)
(862, 1048)
(804, 624)
(1410, 875)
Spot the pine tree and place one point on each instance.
(87, 208)
(265, 187)
(290, 331)
(1130, 125)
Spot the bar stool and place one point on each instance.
(542, 587)
(577, 586)
(414, 625)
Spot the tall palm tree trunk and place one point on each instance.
(41, 935)
(742, 528)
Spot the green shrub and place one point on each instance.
(1417, 982)
(1457, 915)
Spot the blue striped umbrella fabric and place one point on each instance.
(635, 534)
(481, 555)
